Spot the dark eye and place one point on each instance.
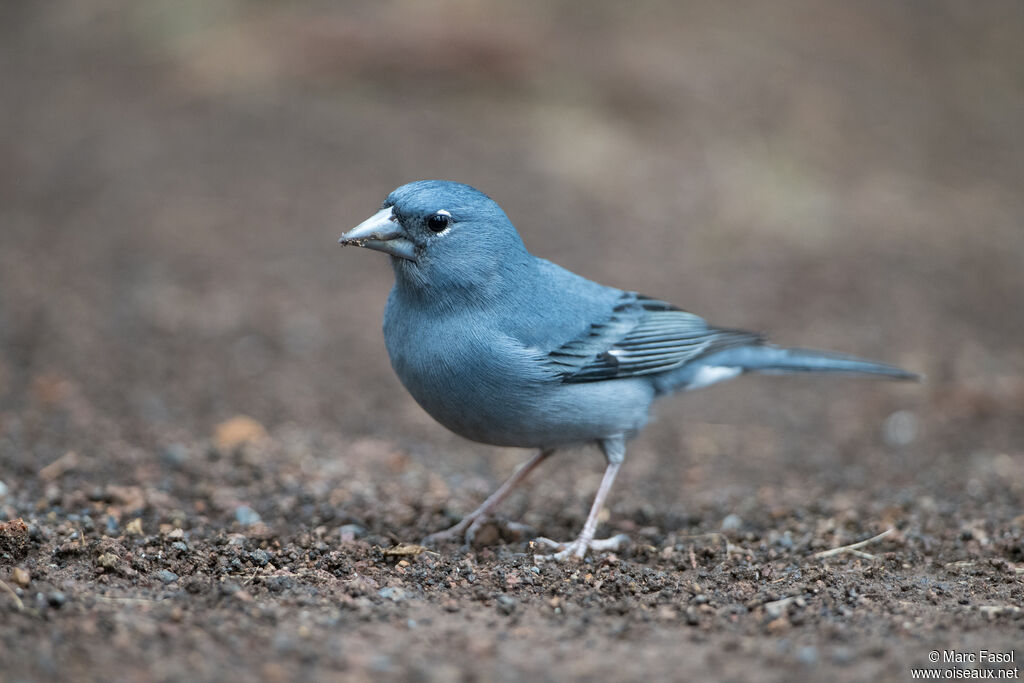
(439, 222)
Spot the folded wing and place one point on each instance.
(642, 336)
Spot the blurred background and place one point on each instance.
(838, 175)
(846, 176)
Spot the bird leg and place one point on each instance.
(615, 452)
(469, 524)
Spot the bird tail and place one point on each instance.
(772, 360)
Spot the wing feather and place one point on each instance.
(642, 336)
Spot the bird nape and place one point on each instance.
(509, 349)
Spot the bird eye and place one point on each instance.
(439, 222)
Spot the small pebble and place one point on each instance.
(246, 516)
(175, 455)
(732, 522)
(777, 608)
(807, 655)
(56, 599)
(229, 588)
(107, 560)
(21, 577)
(276, 584)
(900, 428)
(167, 576)
(392, 593)
(351, 530)
(4, 490)
(259, 557)
(506, 604)
(180, 545)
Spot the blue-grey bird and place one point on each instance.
(509, 349)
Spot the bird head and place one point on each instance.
(440, 234)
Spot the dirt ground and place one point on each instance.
(209, 472)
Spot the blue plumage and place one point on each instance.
(508, 349)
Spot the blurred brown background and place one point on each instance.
(176, 174)
(838, 175)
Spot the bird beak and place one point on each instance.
(381, 232)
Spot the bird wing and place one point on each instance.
(642, 336)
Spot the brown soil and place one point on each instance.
(209, 471)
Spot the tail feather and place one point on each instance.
(773, 360)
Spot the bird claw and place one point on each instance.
(466, 531)
(475, 527)
(578, 548)
(458, 532)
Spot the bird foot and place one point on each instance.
(466, 531)
(578, 548)
(456, 533)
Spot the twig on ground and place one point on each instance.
(55, 469)
(405, 550)
(117, 599)
(854, 548)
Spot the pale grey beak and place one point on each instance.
(381, 232)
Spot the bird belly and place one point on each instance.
(553, 417)
(493, 401)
